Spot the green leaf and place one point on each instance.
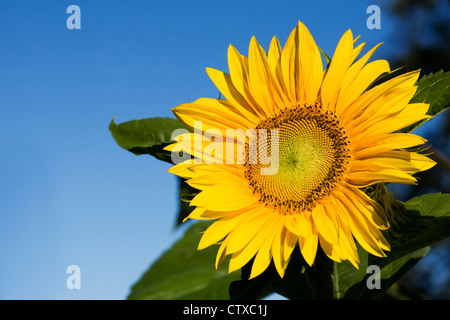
(428, 222)
(350, 283)
(431, 205)
(184, 273)
(345, 275)
(435, 90)
(146, 136)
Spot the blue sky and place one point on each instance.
(68, 193)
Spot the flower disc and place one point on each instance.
(310, 151)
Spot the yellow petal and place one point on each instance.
(325, 224)
(347, 246)
(218, 230)
(402, 120)
(364, 78)
(264, 255)
(196, 214)
(410, 162)
(221, 254)
(225, 85)
(248, 228)
(301, 67)
(289, 66)
(182, 170)
(274, 55)
(277, 248)
(368, 236)
(349, 79)
(195, 145)
(363, 179)
(390, 142)
(310, 61)
(259, 78)
(290, 241)
(239, 71)
(329, 249)
(373, 211)
(224, 178)
(308, 246)
(388, 105)
(240, 258)
(202, 214)
(365, 103)
(336, 71)
(213, 113)
(225, 198)
(299, 224)
(346, 249)
(274, 61)
(263, 83)
(357, 50)
(393, 101)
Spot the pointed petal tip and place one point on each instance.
(231, 49)
(300, 24)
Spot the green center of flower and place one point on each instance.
(307, 151)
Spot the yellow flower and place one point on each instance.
(326, 135)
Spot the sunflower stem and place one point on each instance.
(320, 276)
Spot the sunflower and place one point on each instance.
(328, 134)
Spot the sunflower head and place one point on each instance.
(285, 158)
